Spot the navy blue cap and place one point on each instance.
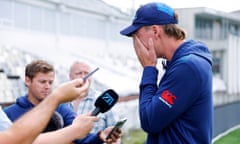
(155, 13)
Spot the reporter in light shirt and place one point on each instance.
(80, 69)
(5, 123)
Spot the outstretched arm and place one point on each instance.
(80, 127)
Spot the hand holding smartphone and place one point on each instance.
(90, 74)
(119, 124)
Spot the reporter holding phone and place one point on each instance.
(117, 126)
(80, 69)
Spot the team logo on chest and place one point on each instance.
(168, 98)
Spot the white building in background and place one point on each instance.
(65, 30)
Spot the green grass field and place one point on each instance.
(231, 138)
(137, 136)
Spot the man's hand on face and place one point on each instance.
(146, 55)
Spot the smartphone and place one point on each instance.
(90, 74)
(119, 124)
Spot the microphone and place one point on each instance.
(105, 102)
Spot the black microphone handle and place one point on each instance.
(96, 111)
